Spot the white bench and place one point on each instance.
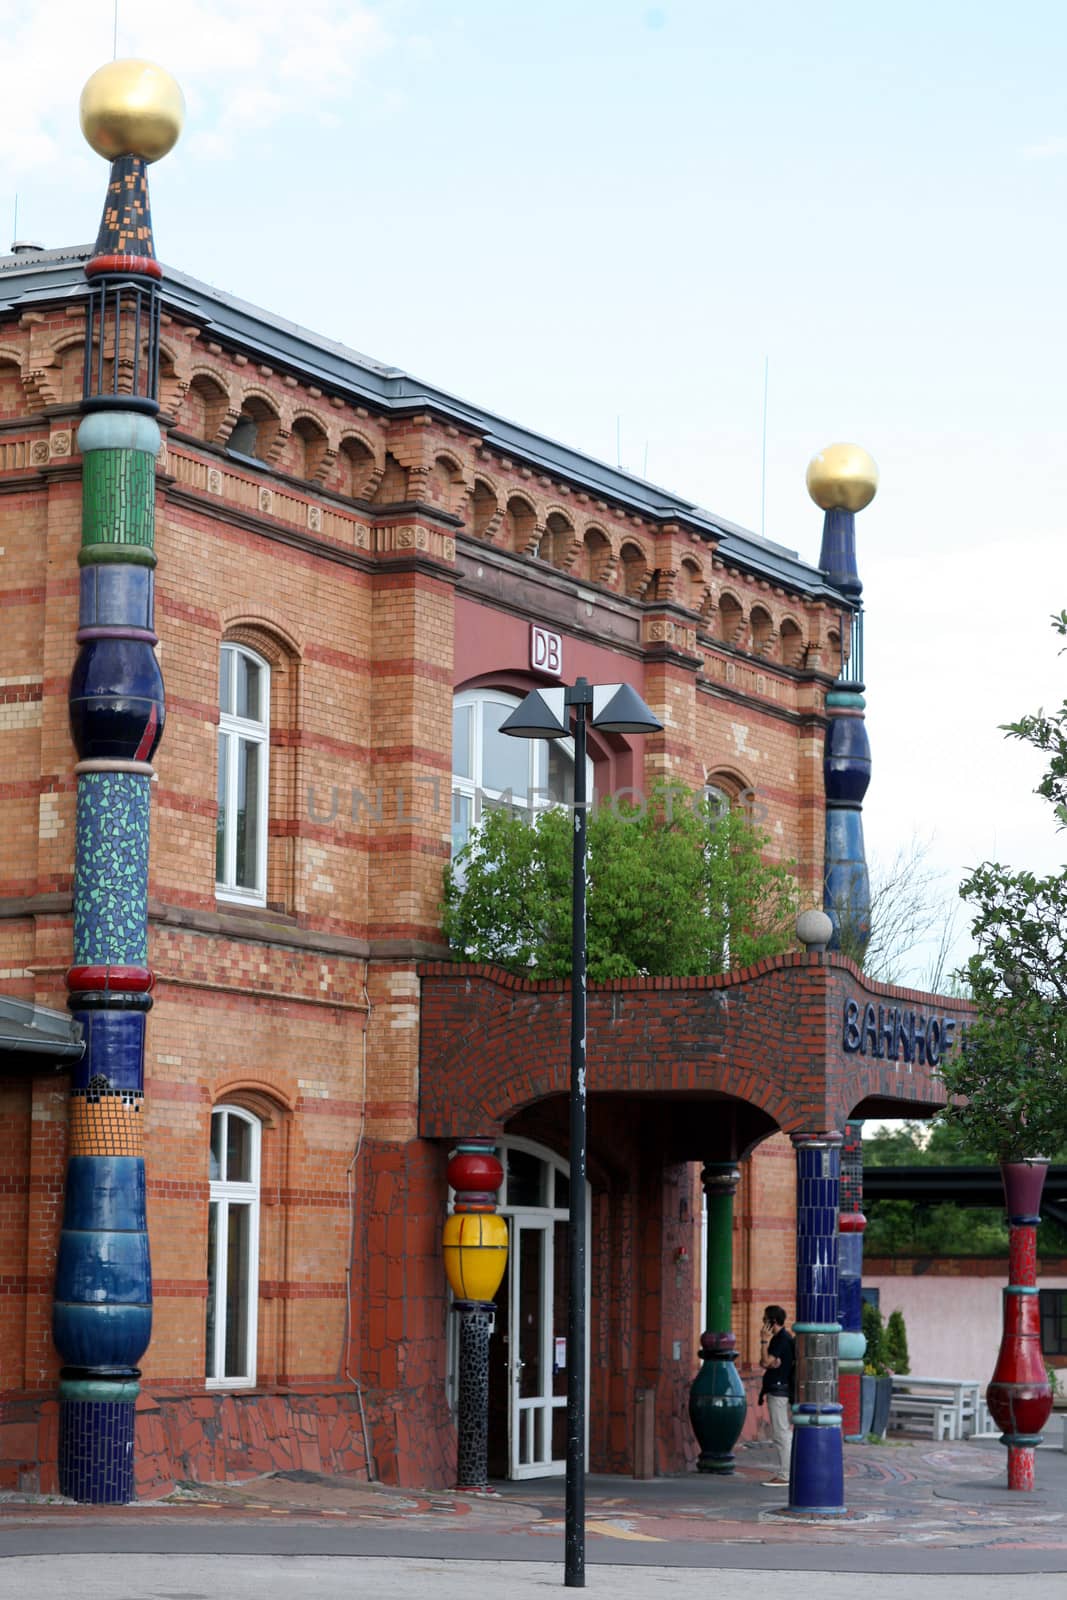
(962, 1396)
(920, 1413)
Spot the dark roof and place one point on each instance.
(33, 1036)
(40, 276)
(964, 1186)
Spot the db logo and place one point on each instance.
(546, 652)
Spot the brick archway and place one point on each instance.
(805, 1040)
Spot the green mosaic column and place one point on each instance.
(717, 1402)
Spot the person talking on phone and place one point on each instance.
(777, 1355)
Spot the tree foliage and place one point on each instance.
(1010, 1077)
(676, 889)
(874, 1362)
(924, 1228)
(895, 1346)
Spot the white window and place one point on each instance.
(232, 1248)
(491, 768)
(244, 748)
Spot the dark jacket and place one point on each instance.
(780, 1379)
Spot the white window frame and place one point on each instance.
(474, 787)
(223, 1194)
(233, 731)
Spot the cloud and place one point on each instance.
(241, 63)
(1045, 150)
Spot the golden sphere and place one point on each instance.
(132, 108)
(842, 475)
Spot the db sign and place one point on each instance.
(546, 652)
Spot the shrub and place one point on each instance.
(895, 1345)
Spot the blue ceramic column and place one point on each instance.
(843, 479)
(102, 1312)
(817, 1482)
(852, 1344)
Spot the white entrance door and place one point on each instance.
(537, 1353)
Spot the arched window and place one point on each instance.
(490, 768)
(232, 1248)
(244, 748)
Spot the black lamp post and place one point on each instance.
(545, 714)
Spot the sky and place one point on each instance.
(608, 221)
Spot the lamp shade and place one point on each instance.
(619, 709)
(542, 715)
(475, 1249)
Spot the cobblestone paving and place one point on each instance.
(909, 1493)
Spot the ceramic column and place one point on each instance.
(717, 1402)
(817, 1477)
(476, 1254)
(852, 1345)
(102, 1316)
(843, 479)
(1019, 1396)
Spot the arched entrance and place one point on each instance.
(528, 1351)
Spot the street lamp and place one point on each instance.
(545, 714)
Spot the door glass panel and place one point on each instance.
(529, 1332)
(562, 1196)
(560, 1301)
(237, 1242)
(525, 1179)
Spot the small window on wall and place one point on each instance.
(1053, 1321)
(232, 1248)
(244, 748)
(489, 768)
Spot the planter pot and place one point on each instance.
(883, 1398)
(1023, 1182)
(867, 1397)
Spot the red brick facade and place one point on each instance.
(379, 559)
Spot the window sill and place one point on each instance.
(231, 897)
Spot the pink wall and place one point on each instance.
(953, 1322)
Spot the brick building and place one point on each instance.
(358, 575)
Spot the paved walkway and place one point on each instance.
(914, 1507)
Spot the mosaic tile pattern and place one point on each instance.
(126, 225)
(96, 1451)
(118, 498)
(107, 1124)
(111, 869)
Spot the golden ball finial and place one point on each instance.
(132, 108)
(842, 475)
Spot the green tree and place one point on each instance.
(921, 1228)
(1008, 1083)
(895, 1346)
(874, 1333)
(675, 889)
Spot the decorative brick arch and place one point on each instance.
(771, 1036)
